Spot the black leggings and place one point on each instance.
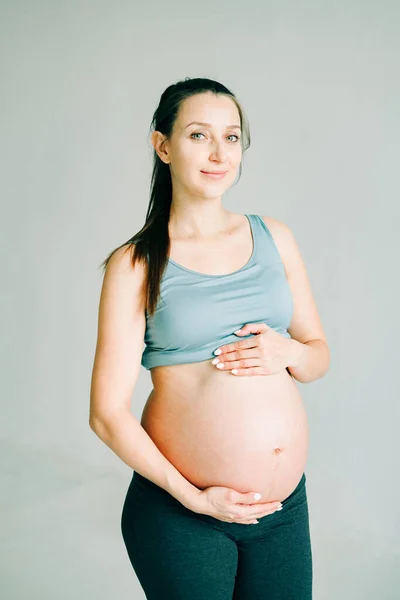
(178, 554)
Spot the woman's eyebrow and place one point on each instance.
(209, 125)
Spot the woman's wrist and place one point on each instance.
(181, 489)
(295, 353)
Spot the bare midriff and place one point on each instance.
(249, 433)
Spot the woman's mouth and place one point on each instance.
(214, 175)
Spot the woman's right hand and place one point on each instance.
(226, 504)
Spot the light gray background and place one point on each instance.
(79, 83)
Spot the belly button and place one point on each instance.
(278, 450)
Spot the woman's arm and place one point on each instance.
(310, 358)
(121, 328)
(121, 432)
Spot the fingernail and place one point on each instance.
(257, 496)
(217, 351)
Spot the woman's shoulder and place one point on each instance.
(277, 228)
(122, 263)
(282, 236)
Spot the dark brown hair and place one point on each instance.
(151, 244)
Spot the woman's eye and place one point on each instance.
(196, 134)
(232, 135)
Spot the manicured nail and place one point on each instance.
(257, 496)
(217, 351)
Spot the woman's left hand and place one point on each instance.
(266, 353)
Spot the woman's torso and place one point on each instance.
(249, 433)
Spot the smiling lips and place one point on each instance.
(215, 174)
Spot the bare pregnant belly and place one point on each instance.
(246, 433)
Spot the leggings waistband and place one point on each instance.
(150, 484)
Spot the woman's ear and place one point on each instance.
(160, 145)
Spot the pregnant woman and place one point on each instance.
(217, 506)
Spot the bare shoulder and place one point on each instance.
(122, 298)
(120, 262)
(120, 268)
(287, 246)
(283, 238)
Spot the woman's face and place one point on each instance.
(195, 147)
